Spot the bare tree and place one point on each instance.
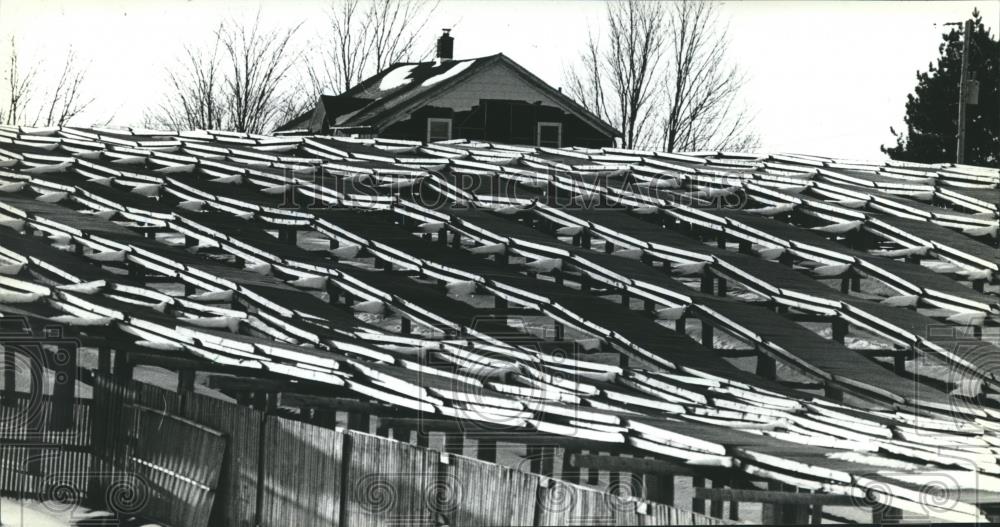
(364, 37)
(240, 82)
(585, 82)
(636, 47)
(28, 104)
(616, 77)
(660, 76)
(258, 61)
(702, 107)
(19, 84)
(195, 100)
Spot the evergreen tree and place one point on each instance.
(932, 110)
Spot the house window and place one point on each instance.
(438, 129)
(550, 134)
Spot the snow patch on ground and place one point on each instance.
(30, 513)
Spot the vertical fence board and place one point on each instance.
(180, 461)
(389, 483)
(479, 493)
(43, 463)
(301, 474)
(236, 499)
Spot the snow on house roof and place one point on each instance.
(400, 87)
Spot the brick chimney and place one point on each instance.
(446, 46)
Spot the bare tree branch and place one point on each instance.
(55, 106)
(195, 100)
(701, 89)
(364, 37)
(241, 83)
(661, 77)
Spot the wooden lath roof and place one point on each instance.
(93, 220)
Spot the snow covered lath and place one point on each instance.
(390, 271)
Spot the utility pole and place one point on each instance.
(962, 95)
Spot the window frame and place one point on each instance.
(538, 133)
(433, 120)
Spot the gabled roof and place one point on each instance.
(406, 85)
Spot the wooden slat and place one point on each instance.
(301, 474)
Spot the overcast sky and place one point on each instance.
(824, 77)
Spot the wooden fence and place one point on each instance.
(187, 459)
(40, 459)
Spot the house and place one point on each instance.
(490, 98)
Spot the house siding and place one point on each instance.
(497, 105)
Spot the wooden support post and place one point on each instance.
(767, 367)
(899, 361)
(722, 286)
(547, 461)
(637, 486)
(856, 284)
(486, 449)
(609, 247)
(593, 474)
(716, 506)
(845, 285)
(585, 239)
(456, 240)
(746, 247)
(707, 281)
(9, 376)
(833, 393)
(707, 334)
(454, 443)
(104, 359)
(560, 330)
(359, 421)
(625, 299)
(325, 417)
(614, 483)
(660, 488)
(534, 459)
(734, 510)
(796, 514)
(423, 437)
(979, 285)
(64, 388)
(649, 306)
(123, 368)
(288, 235)
(698, 504)
(405, 326)
(185, 380)
(36, 373)
(770, 513)
(570, 473)
(442, 235)
(816, 514)
(839, 328)
(402, 433)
